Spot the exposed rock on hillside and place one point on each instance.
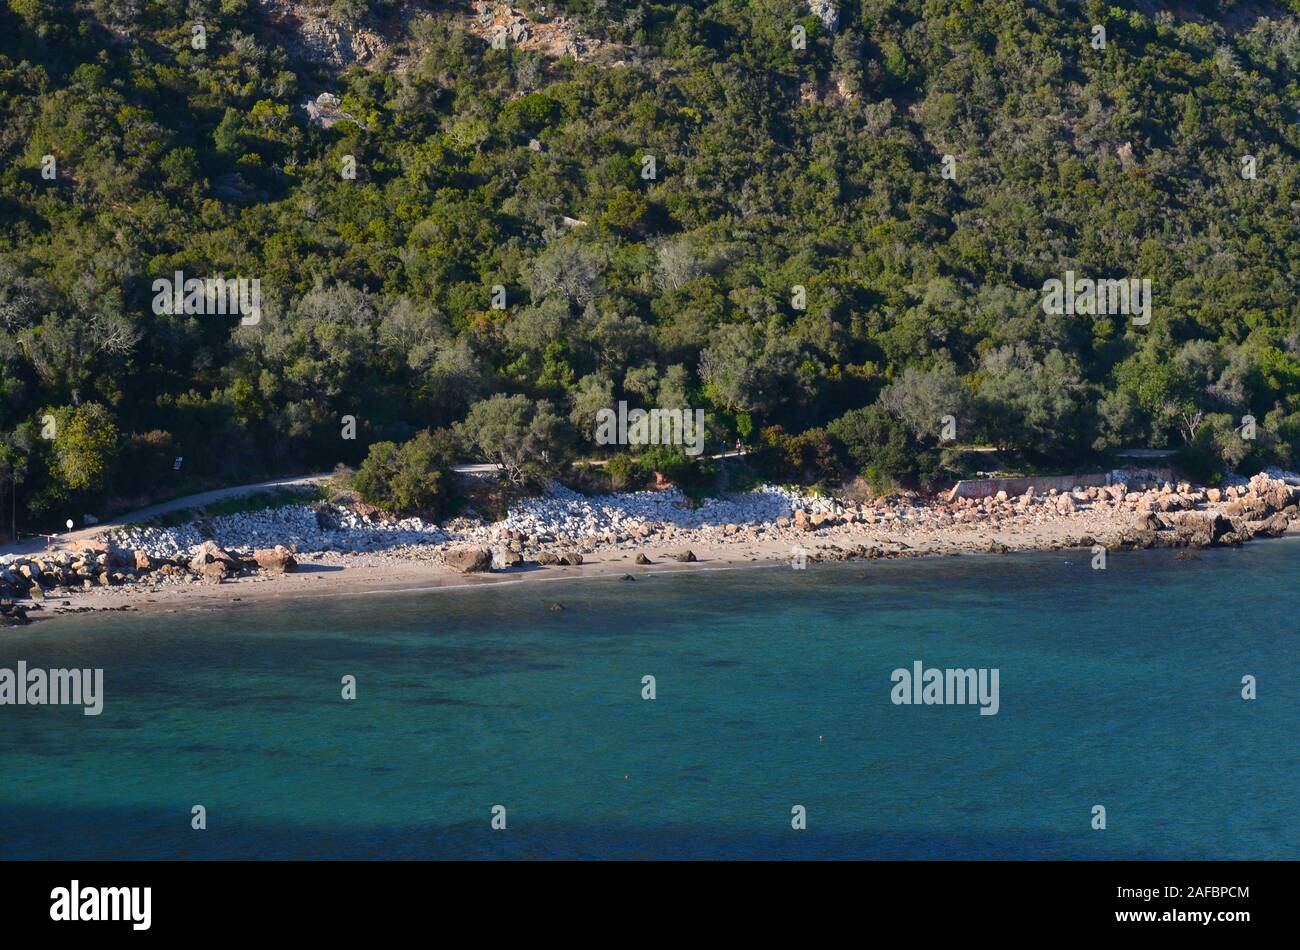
(827, 12)
(325, 111)
(309, 31)
(552, 38)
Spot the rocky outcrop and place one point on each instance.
(326, 111)
(1202, 529)
(553, 38)
(827, 12)
(11, 614)
(309, 32)
(88, 565)
(388, 37)
(1274, 527)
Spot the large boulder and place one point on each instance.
(1249, 506)
(1270, 494)
(11, 614)
(685, 557)
(1140, 540)
(214, 572)
(210, 552)
(469, 560)
(276, 560)
(571, 558)
(1202, 529)
(1274, 527)
(503, 557)
(1148, 522)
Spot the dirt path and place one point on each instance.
(176, 504)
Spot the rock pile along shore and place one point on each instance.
(561, 526)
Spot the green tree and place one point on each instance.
(518, 435)
(410, 478)
(874, 443)
(85, 445)
(921, 399)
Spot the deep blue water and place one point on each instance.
(1120, 688)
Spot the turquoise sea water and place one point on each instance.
(1120, 688)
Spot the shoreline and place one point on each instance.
(363, 581)
(1093, 519)
(373, 580)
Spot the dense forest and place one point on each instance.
(828, 231)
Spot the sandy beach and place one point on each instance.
(1090, 519)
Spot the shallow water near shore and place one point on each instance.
(1119, 688)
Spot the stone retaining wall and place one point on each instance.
(1041, 484)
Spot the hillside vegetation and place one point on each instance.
(798, 264)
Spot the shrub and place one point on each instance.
(625, 471)
(806, 457)
(148, 457)
(410, 478)
(871, 441)
(694, 476)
